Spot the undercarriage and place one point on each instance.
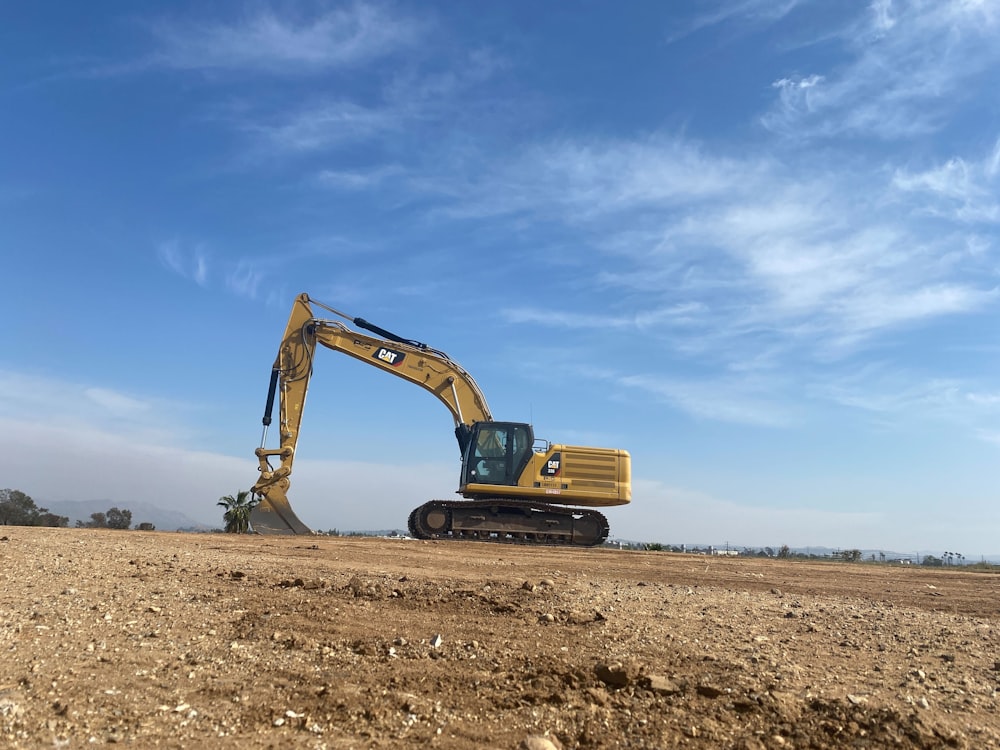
(505, 520)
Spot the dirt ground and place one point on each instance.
(209, 640)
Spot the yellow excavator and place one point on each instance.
(516, 489)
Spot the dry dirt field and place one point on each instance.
(184, 640)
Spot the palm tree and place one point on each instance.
(237, 515)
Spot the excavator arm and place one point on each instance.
(410, 360)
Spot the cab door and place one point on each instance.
(497, 453)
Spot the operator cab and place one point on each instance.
(496, 452)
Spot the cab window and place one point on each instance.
(489, 458)
(500, 453)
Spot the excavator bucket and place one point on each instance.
(275, 516)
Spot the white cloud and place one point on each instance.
(993, 163)
(350, 35)
(677, 315)
(408, 105)
(884, 307)
(324, 125)
(962, 190)
(906, 398)
(740, 400)
(747, 15)
(357, 180)
(589, 180)
(801, 84)
(814, 254)
(116, 403)
(74, 406)
(246, 277)
(757, 267)
(192, 264)
(909, 60)
(565, 319)
(986, 400)
(883, 18)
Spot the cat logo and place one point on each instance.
(389, 356)
(552, 466)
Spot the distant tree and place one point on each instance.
(238, 509)
(145, 526)
(118, 519)
(97, 521)
(932, 561)
(785, 552)
(45, 518)
(654, 547)
(16, 508)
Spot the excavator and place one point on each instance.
(515, 488)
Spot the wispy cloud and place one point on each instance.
(70, 404)
(744, 397)
(825, 257)
(740, 400)
(242, 276)
(357, 180)
(319, 126)
(746, 257)
(410, 104)
(116, 403)
(890, 393)
(274, 42)
(189, 263)
(747, 265)
(909, 59)
(428, 89)
(563, 319)
(749, 14)
(245, 278)
(677, 315)
(966, 191)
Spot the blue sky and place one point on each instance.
(753, 242)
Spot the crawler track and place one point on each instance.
(511, 521)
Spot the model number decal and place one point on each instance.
(389, 356)
(552, 466)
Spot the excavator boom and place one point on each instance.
(410, 360)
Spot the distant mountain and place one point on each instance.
(162, 518)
